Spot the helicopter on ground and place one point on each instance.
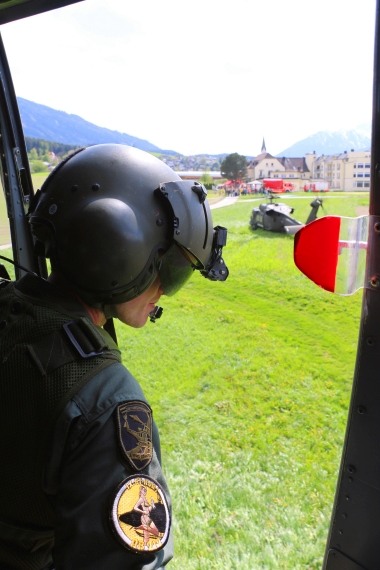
(276, 217)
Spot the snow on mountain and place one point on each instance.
(332, 142)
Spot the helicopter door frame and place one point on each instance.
(354, 536)
(15, 173)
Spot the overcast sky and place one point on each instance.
(206, 76)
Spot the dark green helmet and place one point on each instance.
(112, 218)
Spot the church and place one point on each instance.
(267, 166)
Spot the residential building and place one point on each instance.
(347, 171)
(350, 170)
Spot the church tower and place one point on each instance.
(263, 147)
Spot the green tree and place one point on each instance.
(38, 166)
(207, 180)
(33, 154)
(234, 167)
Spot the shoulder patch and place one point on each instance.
(140, 514)
(134, 421)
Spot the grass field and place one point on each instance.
(250, 383)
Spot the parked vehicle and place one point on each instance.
(317, 186)
(277, 185)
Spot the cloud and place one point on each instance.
(203, 76)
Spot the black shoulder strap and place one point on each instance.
(88, 339)
(76, 338)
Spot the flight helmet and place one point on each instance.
(112, 217)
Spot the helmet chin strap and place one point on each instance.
(110, 313)
(110, 328)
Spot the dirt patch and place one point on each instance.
(5, 236)
(362, 211)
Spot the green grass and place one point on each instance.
(4, 226)
(250, 384)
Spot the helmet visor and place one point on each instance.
(177, 266)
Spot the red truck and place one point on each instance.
(277, 185)
(318, 186)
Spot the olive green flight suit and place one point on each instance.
(77, 443)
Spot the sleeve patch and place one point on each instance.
(134, 421)
(140, 515)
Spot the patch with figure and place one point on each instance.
(134, 421)
(140, 514)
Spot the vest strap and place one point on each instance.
(86, 339)
(53, 350)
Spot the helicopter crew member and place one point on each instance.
(81, 479)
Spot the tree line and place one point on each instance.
(43, 155)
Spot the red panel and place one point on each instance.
(316, 249)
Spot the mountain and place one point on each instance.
(48, 124)
(41, 122)
(329, 142)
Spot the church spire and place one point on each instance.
(263, 148)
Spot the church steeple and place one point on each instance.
(263, 147)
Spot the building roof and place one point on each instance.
(262, 156)
(297, 164)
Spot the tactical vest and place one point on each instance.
(45, 358)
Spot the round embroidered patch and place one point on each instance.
(140, 514)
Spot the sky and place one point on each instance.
(201, 76)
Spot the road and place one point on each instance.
(227, 201)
